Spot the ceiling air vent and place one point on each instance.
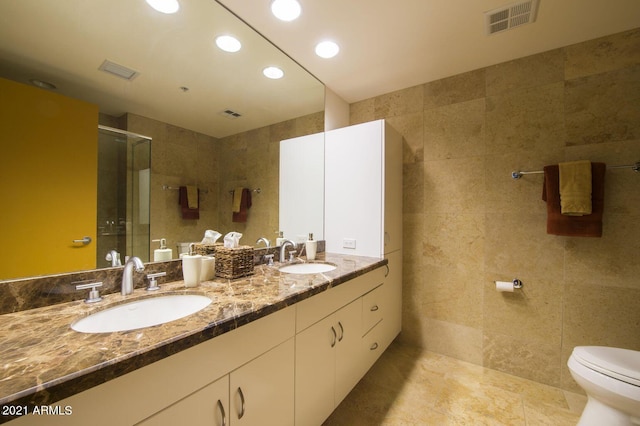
(118, 70)
(230, 114)
(510, 16)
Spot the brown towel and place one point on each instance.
(245, 204)
(574, 226)
(183, 200)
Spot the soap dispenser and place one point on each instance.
(280, 239)
(163, 253)
(311, 247)
(191, 267)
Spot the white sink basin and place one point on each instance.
(142, 313)
(307, 268)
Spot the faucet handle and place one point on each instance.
(94, 295)
(292, 255)
(269, 259)
(153, 280)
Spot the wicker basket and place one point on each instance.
(234, 262)
(206, 249)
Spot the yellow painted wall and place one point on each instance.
(48, 171)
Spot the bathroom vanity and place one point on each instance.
(273, 348)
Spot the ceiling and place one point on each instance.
(391, 45)
(385, 46)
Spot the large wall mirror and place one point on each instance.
(214, 120)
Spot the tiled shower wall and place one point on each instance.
(467, 223)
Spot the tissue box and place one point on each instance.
(206, 249)
(234, 262)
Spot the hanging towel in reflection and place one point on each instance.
(240, 209)
(575, 188)
(183, 200)
(574, 226)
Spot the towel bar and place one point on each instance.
(519, 174)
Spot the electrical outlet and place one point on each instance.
(349, 243)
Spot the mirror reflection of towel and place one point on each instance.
(183, 200)
(245, 204)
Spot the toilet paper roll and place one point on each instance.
(191, 269)
(504, 286)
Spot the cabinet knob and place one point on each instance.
(374, 346)
(374, 308)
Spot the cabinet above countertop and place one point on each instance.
(44, 360)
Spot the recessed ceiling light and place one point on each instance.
(327, 49)
(164, 6)
(286, 10)
(228, 43)
(273, 72)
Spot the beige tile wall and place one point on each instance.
(185, 157)
(252, 160)
(467, 223)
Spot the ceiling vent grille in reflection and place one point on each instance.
(510, 16)
(118, 70)
(230, 114)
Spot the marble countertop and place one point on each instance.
(43, 360)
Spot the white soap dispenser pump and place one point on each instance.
(280, 239)
(162, 254)
(311, 247)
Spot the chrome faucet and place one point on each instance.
(127, 275)
(266, 242)
(113, 257)
(283, 247)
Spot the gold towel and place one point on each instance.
(237, 199)
(575, 188)
(192, 196)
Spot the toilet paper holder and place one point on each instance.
(517, 283)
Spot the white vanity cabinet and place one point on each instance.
(331, 356)
(172, 387)
(259, 392)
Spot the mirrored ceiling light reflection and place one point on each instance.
(164, 6)
(273, 73)
(228, 43)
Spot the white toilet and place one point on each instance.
(611, 379)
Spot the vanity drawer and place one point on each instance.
(372, 308)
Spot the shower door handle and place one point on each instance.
(85, 241)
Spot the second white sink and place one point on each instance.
(142, 313)
(307, 268)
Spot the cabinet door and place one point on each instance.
(262, 390)
(315, 372)
(206, 407)
(349, 354)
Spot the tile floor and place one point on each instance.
(408, 386)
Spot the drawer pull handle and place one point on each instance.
(386, 273)
(374, 308)
(341, 332)
(374, 346)
(241, 414)
(333, 342)
(222, 413)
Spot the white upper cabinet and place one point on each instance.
(363, 190)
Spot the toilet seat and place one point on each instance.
(620, 364)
